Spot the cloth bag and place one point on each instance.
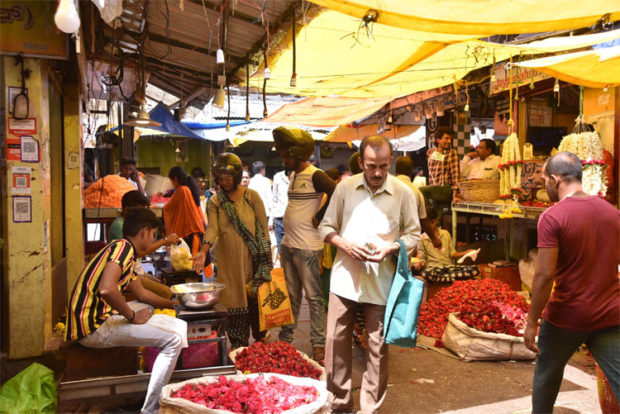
(403, 306)
(274, 303)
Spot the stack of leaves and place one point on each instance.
(277, 357)
(258, 395)
(488, 305)
(107, 192)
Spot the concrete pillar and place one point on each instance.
(74, 224)
(26, 264)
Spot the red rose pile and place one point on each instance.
(277, 357)
(258, 395)
(487, 305)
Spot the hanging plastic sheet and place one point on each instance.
(481, 17)
(593, 68)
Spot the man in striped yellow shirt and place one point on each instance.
(98, 315)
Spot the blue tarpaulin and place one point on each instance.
(217, 125)
(162, 115)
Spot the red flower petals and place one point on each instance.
(488, 305)
(259, 395)
(277, 357)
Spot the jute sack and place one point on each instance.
(473, 345)
(170, 405)
(232, 355)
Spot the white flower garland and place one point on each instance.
(588, 147)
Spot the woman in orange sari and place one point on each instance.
(182, 213)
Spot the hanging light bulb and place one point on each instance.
(143, 119)
(493, 79)
(267, 73)
(66, 17)
(556, 86)
(466, 108)
(219, 56)
(178, 150)
(294, 80)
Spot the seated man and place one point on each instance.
(135, 199)
(436, 265)
(99, 317)
(482, 163)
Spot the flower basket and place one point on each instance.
(233, 354)
(170, 404)
(473, 345)
(481, 191)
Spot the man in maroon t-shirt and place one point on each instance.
(579, 250)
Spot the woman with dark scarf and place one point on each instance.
(238, 225)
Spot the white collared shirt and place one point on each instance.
(279, 198)
(477, 169)
(360, 217)
(262, 185)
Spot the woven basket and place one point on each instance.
(482, 191)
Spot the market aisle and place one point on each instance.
(424, 381)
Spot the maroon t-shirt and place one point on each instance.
(587, 288)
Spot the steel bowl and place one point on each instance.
(198, 295)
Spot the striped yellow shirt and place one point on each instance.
(87, 310)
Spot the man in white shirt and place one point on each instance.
(302, 246)
(279, 202)
(482, 163)
(261, 184)
(368, 213)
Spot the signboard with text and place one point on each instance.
(27, 28)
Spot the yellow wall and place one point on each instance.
(26, 272)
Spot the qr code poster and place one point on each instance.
(29, 149)
(21, 180)
(22, 209)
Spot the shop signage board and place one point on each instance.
(27, 28)
(523, 75)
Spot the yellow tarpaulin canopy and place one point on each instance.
(348, 133)
(335, 56)
(593, 68)
(326, 112)
(482, 17)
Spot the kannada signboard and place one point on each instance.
(27, 28)
(522, 75)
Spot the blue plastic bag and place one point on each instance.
(402, 310)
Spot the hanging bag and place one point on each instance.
(274, 303)
(403, 306)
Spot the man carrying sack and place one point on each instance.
(368, 214)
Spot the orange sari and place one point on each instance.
(182, 216)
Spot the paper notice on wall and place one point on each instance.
(29, 149)
(22, 209)
(20, 184)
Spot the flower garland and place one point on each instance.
(510, 167)
(588, 147)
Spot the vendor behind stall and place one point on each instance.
(482, 163)
(436, 265)
(182, 214)
(99, 317)
(130, 172)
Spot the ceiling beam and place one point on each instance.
(182, 45)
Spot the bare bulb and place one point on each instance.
(219, 56)
(466, 109)
(267, 73)
(66, 17)
(556, 86)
